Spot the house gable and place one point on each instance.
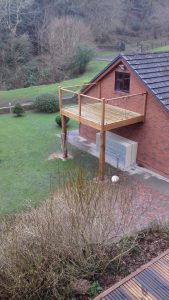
(152, 135)
(151, 69)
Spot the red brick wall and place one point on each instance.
(152, 135)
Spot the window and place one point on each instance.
(122, 81)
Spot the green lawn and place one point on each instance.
(26, 176)
(28, 94)
(25, 144)
(161, 49)
(107, 53)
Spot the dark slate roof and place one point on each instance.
(152, 69)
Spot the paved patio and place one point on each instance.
(151, 190)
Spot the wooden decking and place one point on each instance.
(91, 115)
(100, 113)
(150, 282)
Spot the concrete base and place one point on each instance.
(89, 147)
(81, 143)
(153, 179)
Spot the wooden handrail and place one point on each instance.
(128, 96)
(90, 97)
(82, 95)
(69, 91)
(79, 85)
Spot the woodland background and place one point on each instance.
(46, 41)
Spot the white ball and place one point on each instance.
(115, 178)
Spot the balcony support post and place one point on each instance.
(102, 144)
(64, 137)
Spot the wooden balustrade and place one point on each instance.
(123, 97)
(98, 113)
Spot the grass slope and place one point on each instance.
(25, 144)
(107, 53)
(28, 94)
(161, 49)
(26, 176)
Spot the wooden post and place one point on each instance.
(99, 89)
(64, 137)
(102, 144)
(60, 99)
(145, 104)
(103, 114)
(79, 106)
(102, 155)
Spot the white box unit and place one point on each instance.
(120, 152)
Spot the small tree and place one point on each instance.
(18, 110)
(78, 62)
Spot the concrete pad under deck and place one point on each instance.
(83, 144)
(152, 179)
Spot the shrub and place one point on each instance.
(94, 289)
(31, 73)
(72, 236)
(46, 103)
(18, 110)
(79, 61)
(58, 120)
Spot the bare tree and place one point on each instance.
(64, 35)
(12, 12)
(61, 39)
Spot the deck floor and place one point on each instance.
(151, 282)
(114, 116)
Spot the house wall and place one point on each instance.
(152, 135)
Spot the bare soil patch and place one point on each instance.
(150, 243)
(58, 155)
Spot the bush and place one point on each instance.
(46, 103)
(58, 120)
(94, 289)
(79, 61)
(18, 110)
(31, 73)
(44, 257)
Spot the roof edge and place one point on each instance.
(106, 68)
(122, 56)
(144, 83)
